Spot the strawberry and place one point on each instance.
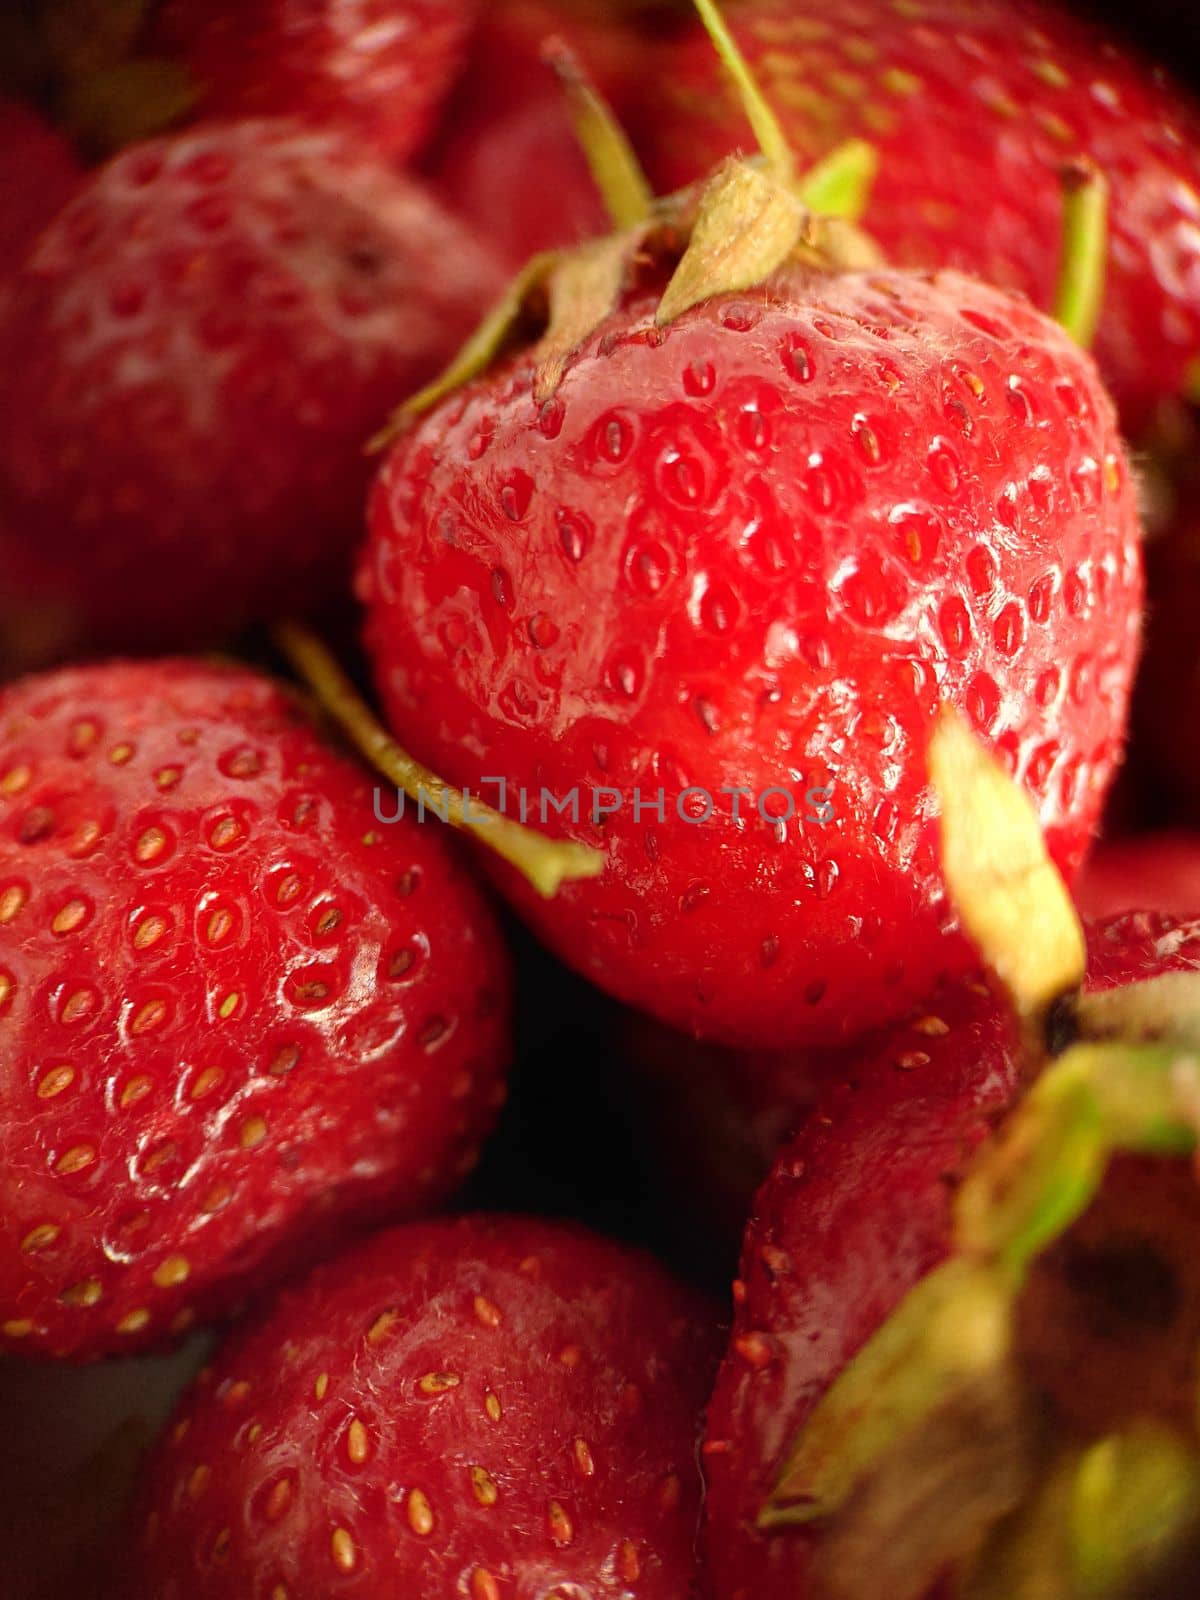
(1014, 88)
(196, 350)
(482, 1407)
(858, 1211)
(238, 1013)
(38, 175)
(377, 68)
(1158, 869)
(509, 122)
(747, 543)
(1168, 688)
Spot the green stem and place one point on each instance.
(762, 119)
(545, 863)
(627, 195)
(1080, 293)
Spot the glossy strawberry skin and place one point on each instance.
(376, 68)
(854, 1214)
(1016, 89)
(237, 1013)
(755, 550)
(196, 351)
(479, 1407)
(38, 175)
(508, 160)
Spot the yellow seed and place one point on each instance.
(69, 918)
(382, 1326)
(150, 846)
(220, 1549)
(1051, 73)
(159, 1157)
(199, 1481)
(570, 1355)
(85, 838)
(420, 1513)
(180, 1430)
(321, 1387)
(358, 1445)
(487, 1312)
(120, 754)
(206, 1082)
(39, 1238)
(279, 1499)
(228, 1006)
(896, 81)
(345, 1555)
(55, 1081)
(631, 1567)
(932, 1026)
(438, 1382)
(219, 1195)
(484, 1486)
(254, 1131)
(136, 1089)
(75, 1006)
(6, 987)
(236, 1393)
(220, 925)
(86, 1293)
(149, 931)
(279, 1592)
(483, 1585)
(224, 833)
(167, 777)
(149, 1017)
(559, 1524)
(583, 1458)
(134, 1322)
(14, 780)
(491, 1404)
(254, 1433)
(11, 901)
(17, 1328)
(76, 1158)
(172, 1272)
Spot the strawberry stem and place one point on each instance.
(839, 185)
(762, 119)
(624, 188)
(1080, 293)
(545, 863)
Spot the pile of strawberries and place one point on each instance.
(749, 461)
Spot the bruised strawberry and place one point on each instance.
(858, 1212)
(375, 68)
(195, 352)
(975, 106)
(38, 175)
(237, 1012)
(1157, 869)
(509, 160)
(698, 582)
(483, 1407)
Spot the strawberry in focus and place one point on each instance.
(378, 69)
(238, 1013)
(486, 1407)
(196, 350)
(857, 1212)
(975, 106)
(749, 548)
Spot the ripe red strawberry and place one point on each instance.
(857, 1211)
(377, 68)
(1157, 869)
(1014, 88)
(38, 175)
(485, 1407)
(509, 161)
(752, 550)
(236, 1011)
(196, 351)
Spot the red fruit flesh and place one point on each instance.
(854, 1214)
(975, 106)
(38, 175)
(509, 161)
(756, 549)
(1161, 869)
(376, 68)
(482, 1407)
(195, 353)
(236, 1012)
